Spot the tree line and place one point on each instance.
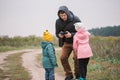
(106, 31)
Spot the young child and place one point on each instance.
(82, 48)
(49, 59)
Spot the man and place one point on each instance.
(65, 31)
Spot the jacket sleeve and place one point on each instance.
(75, 44)
(51, 53)
(57, 26)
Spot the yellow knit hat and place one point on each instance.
(47, 36)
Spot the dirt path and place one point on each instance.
(30, 62)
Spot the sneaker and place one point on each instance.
(69, 78)
(82, 78)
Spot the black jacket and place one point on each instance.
(66, 25)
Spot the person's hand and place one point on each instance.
(68, 35)
(60, 35)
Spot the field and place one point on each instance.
(104, 65)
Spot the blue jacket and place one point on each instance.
(48, 58)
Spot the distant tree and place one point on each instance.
(106, 31)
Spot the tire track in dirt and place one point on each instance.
(30, 63)
(3, 55)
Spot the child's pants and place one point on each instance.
(49, 74)
(83, 67)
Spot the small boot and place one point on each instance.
(82, 78)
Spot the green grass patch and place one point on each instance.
(6, 48)
(13, 68)
(10, 48)
(110, 60)
(103, 70)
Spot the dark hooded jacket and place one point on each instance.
(66, 25)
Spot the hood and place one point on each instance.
(45, 43)
(67, 11)
(83, 35)
(78, 25)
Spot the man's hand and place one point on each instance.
(68, 35)
(60, 35)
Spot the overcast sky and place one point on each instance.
(32, 17)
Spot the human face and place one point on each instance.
(63, 16)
